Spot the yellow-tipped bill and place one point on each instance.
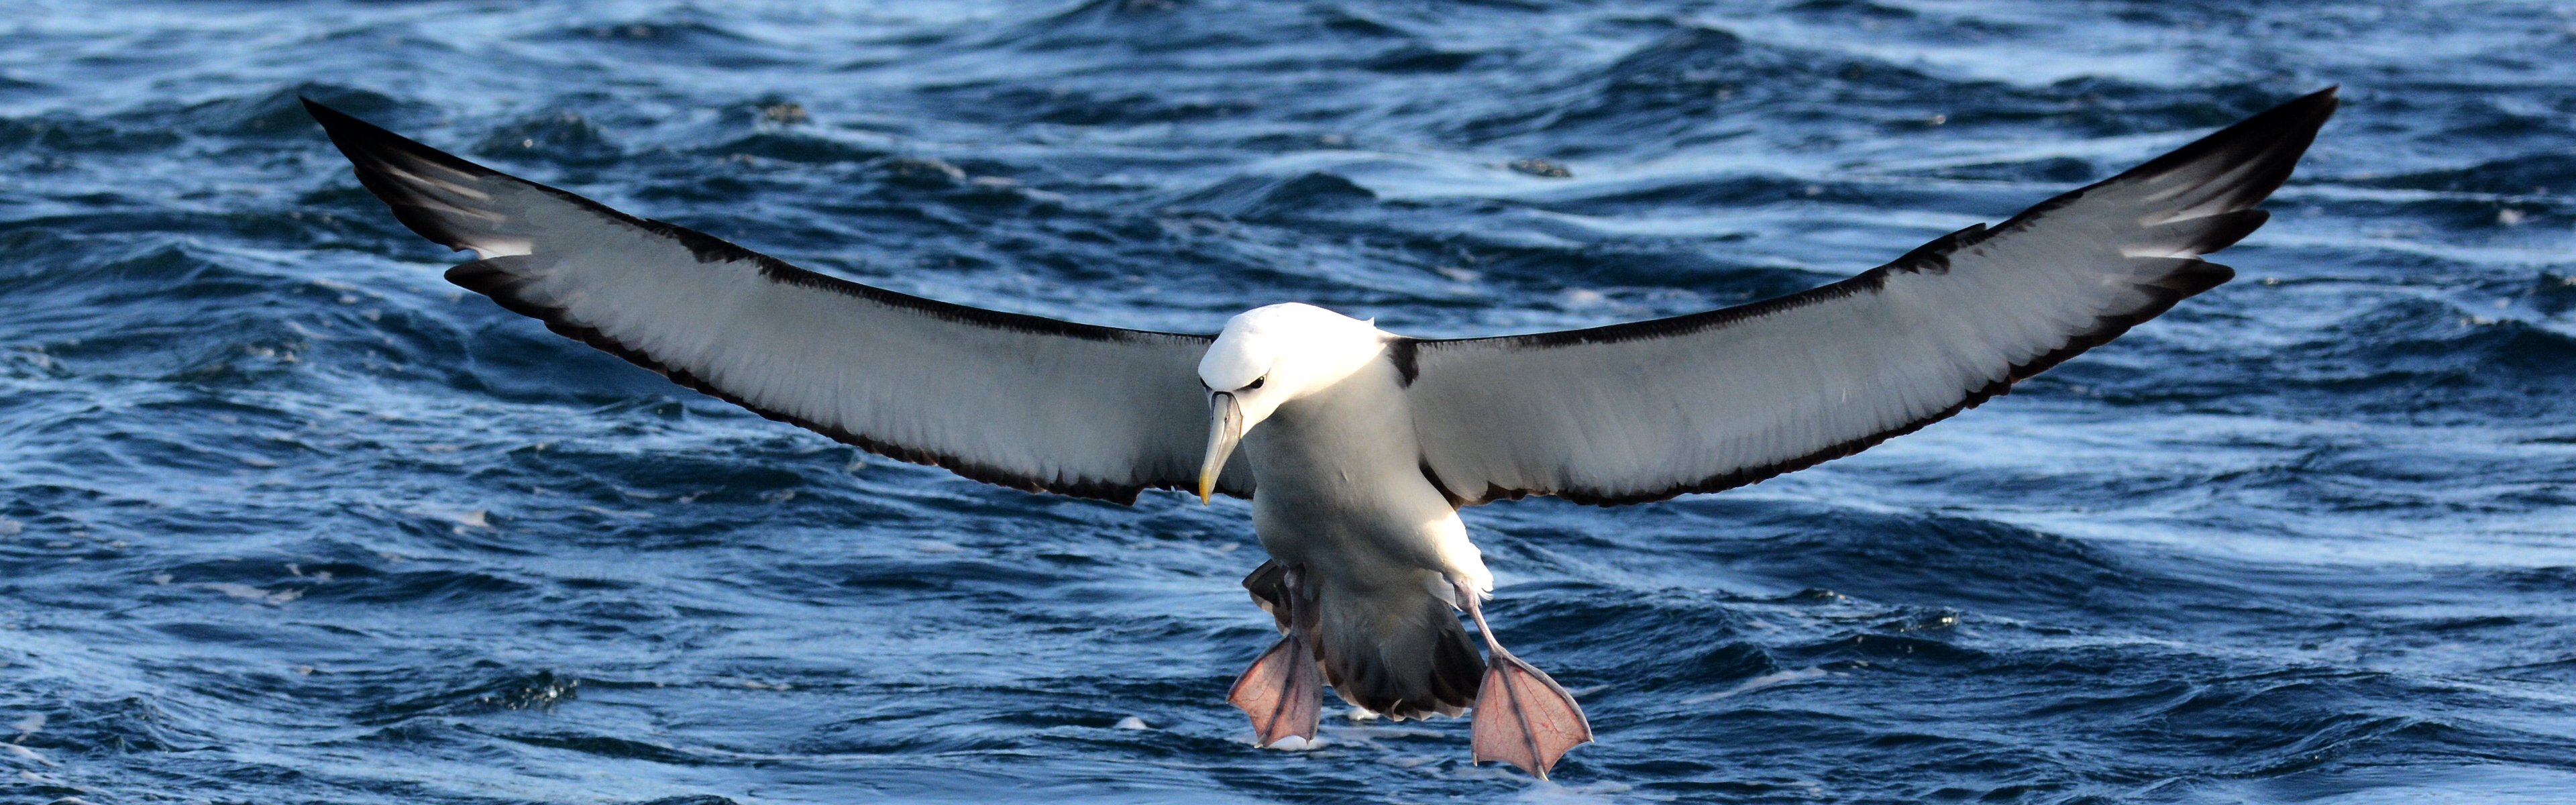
(1225, 430)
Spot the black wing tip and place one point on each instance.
(331, 118)
(351, 135)
(366, 143)
(2298, 117)
(344, 129)
(389, 165)
(2293, 124)
(2318, 104)
(2325, 99)
(2274, 137)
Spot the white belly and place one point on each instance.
(1339, 488)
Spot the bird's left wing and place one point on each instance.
(1020, 401)
(1646, 411)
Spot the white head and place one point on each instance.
(1269, 356)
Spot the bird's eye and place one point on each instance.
(1256, 382)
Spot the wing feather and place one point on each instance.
(1021, 401)
(1644, 411)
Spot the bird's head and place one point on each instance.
(1270, 356)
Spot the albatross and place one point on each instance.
(1358, 447)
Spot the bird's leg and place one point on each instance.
(1283, 691)
(1522, 717)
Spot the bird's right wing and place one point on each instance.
(1020, 401)
(1649, 410)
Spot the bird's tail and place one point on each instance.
(1396, 650)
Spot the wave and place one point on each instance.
(285, 517)
(1275, 197)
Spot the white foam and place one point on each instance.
(1552, 792)
(460, 518)
(236, 590)
(28, 754)
(1760, 682)
(246, 591)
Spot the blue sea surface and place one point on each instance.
(286, 518)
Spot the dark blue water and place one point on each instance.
(286, 518)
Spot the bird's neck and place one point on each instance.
(1362, 418)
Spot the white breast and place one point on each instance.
(1341, 490)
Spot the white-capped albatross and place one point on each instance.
(1357, 446)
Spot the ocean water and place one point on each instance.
(286, 518)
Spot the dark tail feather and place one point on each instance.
(1403, 654)
(1400, 653)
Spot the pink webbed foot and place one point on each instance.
(1522, 717)
(1525, 719)
(1283, 691)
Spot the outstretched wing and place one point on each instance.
(1649, 410)
(1020, 401)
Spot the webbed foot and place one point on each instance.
(1522, 717)
(1283, 691)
